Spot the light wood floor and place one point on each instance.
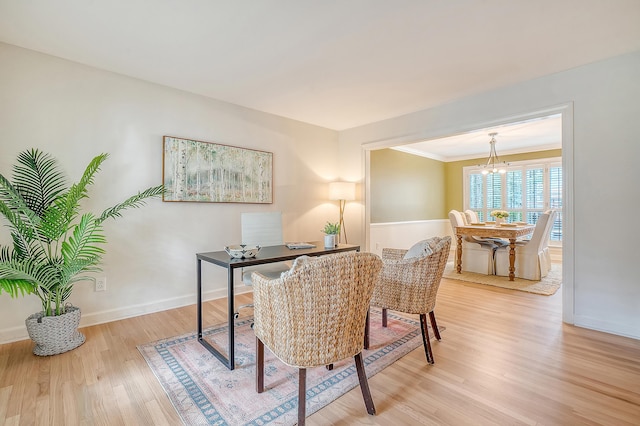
(505, 358)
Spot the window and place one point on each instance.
(527, 189)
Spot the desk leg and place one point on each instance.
(199, 298)
(459, 254)
(230, 361)
(232, 358)
(512, 259)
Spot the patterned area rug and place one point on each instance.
(204, 392)
(547, 286)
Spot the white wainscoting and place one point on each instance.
(403, 235)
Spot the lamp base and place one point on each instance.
(342, 228)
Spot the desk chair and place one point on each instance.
(263, 229)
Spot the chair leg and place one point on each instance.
(259, 366)
(434, 325)
(364, 384)
(367, 329)
(384, 317)
(425, 338)
(302, 396)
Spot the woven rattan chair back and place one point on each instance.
(315, 314)
(411, 285)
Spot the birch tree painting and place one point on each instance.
(214, 173)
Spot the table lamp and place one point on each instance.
(342, 192)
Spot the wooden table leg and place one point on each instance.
(512, 259)
(459, 254)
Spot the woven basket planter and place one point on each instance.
(56, 334)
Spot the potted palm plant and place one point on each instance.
(55, 245)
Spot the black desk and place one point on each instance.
(269, 254)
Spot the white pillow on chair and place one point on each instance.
(422, 248)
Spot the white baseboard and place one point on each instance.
(15, 334)
(625, 330)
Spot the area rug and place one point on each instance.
(547, 286)
(205, 392)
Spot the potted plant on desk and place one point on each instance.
(330, 231)
(54, 244)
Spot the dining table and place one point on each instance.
(507, 231)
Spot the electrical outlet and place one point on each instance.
(377, 246)
(101, 284)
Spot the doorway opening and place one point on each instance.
(562, 115)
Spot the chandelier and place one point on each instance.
(493, 164)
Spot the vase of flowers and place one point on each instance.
(500, 216)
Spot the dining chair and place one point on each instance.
(471, 218)
(314, 315)
(409, 283)
(533, 260)
(477, 255)
(263, 229)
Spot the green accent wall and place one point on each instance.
(406, 187)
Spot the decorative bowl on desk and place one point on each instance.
(242, 251)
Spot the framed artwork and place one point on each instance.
(214, 173)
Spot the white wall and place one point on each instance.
(601, 150)
(402, 235)
(76, 112)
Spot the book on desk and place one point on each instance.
(300, 245)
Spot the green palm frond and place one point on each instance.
(16, 288)
(55, 222)
(14, 207)
(27, 276)
(135, 201)
(10, 281)
(25, 246)
(79, 190)
(38, 179)
(83, 244)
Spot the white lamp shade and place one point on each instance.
(342, 191)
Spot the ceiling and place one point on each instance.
(334, 63)
(538, 134)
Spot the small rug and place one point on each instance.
(205, 392)
(547, 286)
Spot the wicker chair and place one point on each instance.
(410, 284)
(263, 229)
(314, 315)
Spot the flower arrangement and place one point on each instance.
(501, 214)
